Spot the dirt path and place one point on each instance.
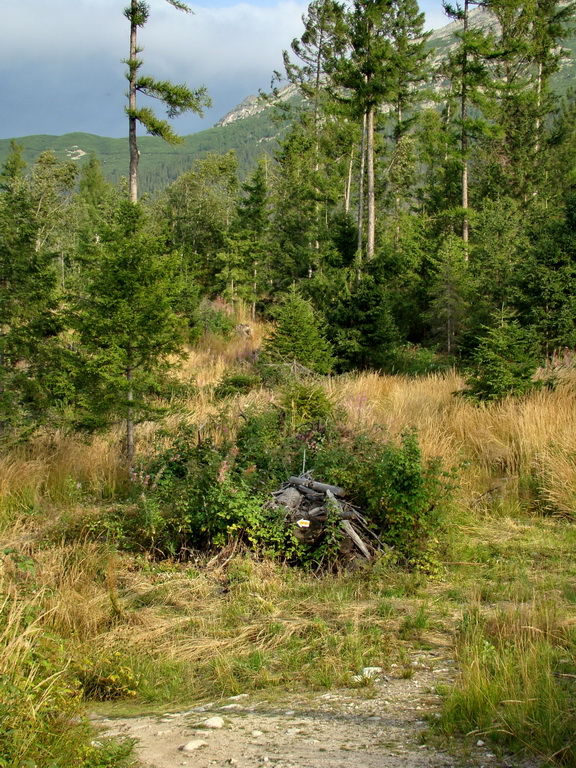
(374, 726)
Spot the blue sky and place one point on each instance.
(61, 70)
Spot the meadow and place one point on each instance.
(90, 623)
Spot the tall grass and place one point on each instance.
(41, 714)
(516, 682)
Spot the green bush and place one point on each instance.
(196, 496)
(305, 402)
(41, 718)
(237, 383)
(504, 363)
(403, 496)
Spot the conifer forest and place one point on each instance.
(382, 306)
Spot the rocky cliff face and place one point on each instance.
(252, 105)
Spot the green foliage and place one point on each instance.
(41, 719)
(213, 318)
(404, 497)
(237, 382)
(305, 403)
(297, 337)
(514, 686)
(33, 374)
(126, 322)
(504, 363)
(106, 677)
(414, 360)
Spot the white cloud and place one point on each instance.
(61, 70)
(67, 53)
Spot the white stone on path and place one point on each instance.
(192, 746)
(214, 722)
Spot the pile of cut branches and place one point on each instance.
(310, 505)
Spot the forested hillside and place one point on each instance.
(161, 164)
(423, 204)
(377, 293)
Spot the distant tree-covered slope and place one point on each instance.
(250, 129)
(160, 163)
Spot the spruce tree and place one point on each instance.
(29, 321)
(298, 336)
(126, 321)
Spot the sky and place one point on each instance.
(61, 66)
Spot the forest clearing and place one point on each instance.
(288, 450)
(97, 618)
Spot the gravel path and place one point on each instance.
(374, 726)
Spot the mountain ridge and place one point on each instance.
(248, 129)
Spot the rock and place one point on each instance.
(479, 743)
(232, 706)
(371, 671)
(255, 734)
(238, 696)
(289, 497)
(214, 722)
(193, 745)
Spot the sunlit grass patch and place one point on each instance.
(516, 681)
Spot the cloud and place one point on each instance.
(61, 62)
(61, 70)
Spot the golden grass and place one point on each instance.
(530, 436)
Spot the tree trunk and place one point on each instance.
(371, 220)
(361, 191)
(349, 182)
(129, 414)
(134, 155)
(464, 139)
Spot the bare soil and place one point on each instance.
(377, 725)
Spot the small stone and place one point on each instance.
(214, 722)
(193, 745)
(371, 671)
(232, 706)
(238, 696)
(255, 734)
(289, 712)
(479, 743)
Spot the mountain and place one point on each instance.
(251, 129)
(160, 163)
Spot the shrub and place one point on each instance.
(298, 337)
(504, 363)
(403, 496)
(236, 383)
(196, 496)
(305, 402)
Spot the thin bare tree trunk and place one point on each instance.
(464, 141)
(349, 182)
(361, 186)
(129, 418)
(134, 156)
(371, 220)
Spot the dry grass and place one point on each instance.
(531, 438)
